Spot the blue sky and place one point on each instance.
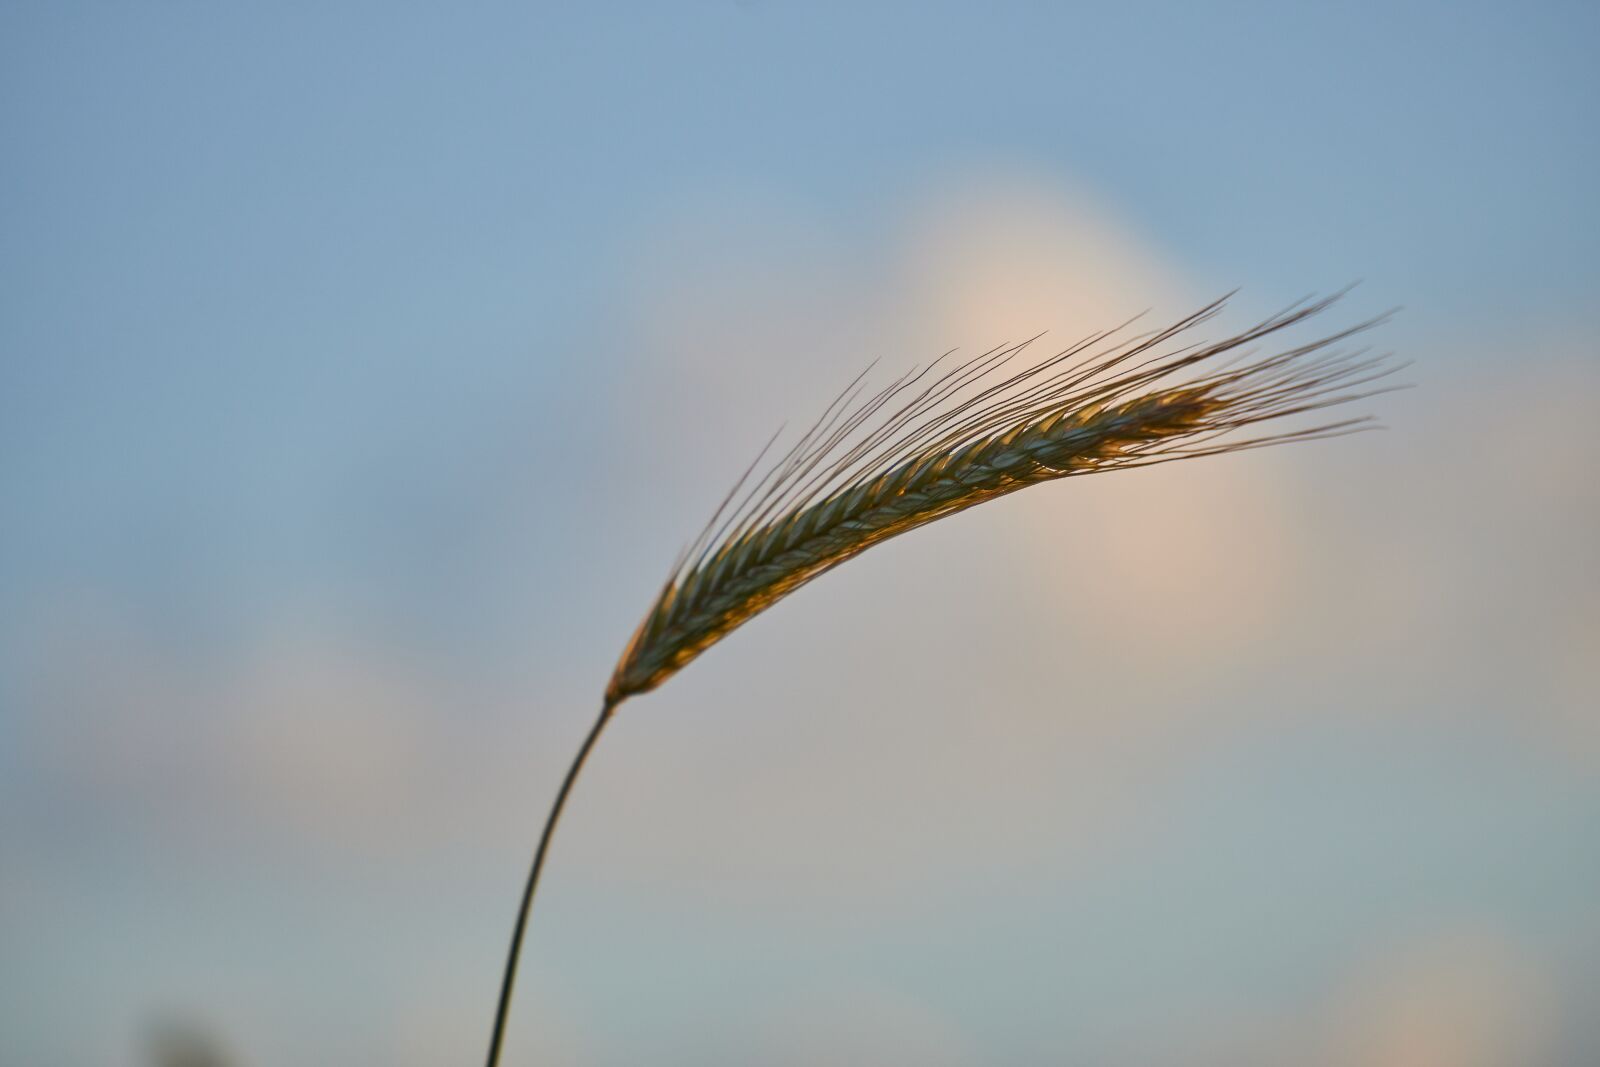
(361, 367)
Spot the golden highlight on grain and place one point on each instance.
(941, 439)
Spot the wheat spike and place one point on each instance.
(941, 439)
(869, 470)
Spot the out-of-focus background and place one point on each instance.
(363, 367)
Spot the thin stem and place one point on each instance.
(533, 881)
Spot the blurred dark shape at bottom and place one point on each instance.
(176, 1042)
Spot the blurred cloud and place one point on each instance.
(305, 737)
(1463, 997)
(1459, 1000)
(1000, 256)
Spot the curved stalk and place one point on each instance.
(510, 979)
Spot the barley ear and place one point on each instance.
(950, 435)
(941, 439)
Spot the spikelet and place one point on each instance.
(941, 439)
